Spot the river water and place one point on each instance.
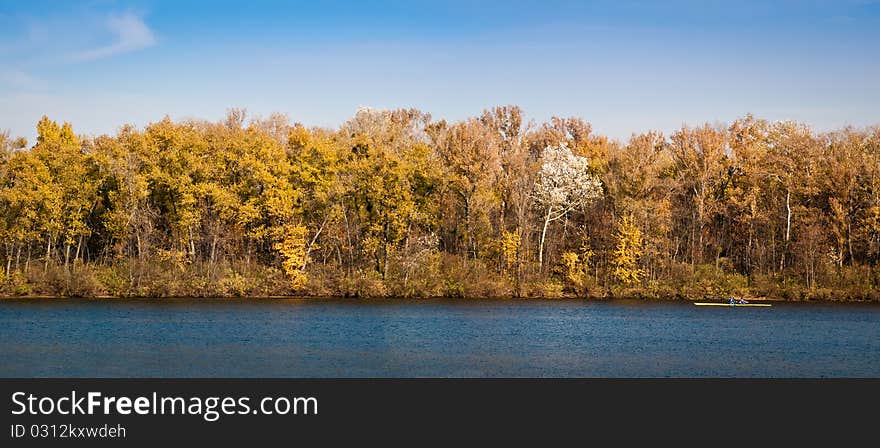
(433, 338)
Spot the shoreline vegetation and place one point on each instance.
(564, 296)
(397, 204)
(719, 300)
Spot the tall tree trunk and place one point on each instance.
(78, 246)
(787, 228)
(693, 240)
(501, 230)
(213, 248)
(48, 254)
(192, 246)
(701, 230)
(849, 241)
(467, 227)
(8, 259)
(543, 235)
(749, 249)
(312, 243)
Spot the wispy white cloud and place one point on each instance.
(20, 80)
(35, 50)
(130, 32)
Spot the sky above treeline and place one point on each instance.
(624, 66)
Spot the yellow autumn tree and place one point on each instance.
(627, 251)
(510, 245)
(293, 249)
(576, 267)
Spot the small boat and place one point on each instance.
(730, 304)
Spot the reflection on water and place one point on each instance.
(436, 338)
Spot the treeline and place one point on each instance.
(393, 203)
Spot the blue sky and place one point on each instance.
(624, 66)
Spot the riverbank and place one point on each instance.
(749, 299)
(472, 280)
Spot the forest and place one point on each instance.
(393, 203)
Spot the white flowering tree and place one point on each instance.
(564, 184)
